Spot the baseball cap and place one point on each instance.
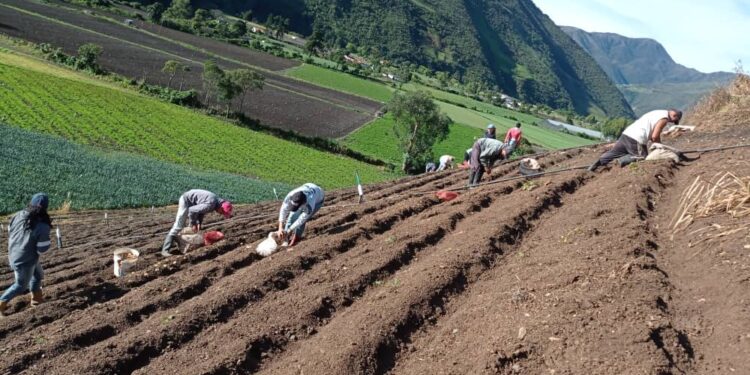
(297, 200)
(226, 209)
(40, 200)
(491, 126)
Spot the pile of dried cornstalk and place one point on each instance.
(729, 194)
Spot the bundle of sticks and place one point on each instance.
(725, 193)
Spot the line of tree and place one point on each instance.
(225, 86)
(419, 124)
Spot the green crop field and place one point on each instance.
(378, 140)
(342, 82)
(118, 120)
(90, 178)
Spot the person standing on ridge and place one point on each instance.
(299, 206)
(513, 138)
(491, 132)
(634, 140)
(484, 154)
(28, 238)
(193, 205)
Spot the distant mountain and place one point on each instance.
(510, 44)
(644, 71)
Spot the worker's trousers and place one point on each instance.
(295, 215)
(475, 176)
(26, 277)
(179, 223)
(624, 146)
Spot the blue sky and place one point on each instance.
(708, 35)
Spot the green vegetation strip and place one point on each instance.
(116, 120)
(378, 140)
(342, 82)
(92, 179)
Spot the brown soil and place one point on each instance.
(140, 54)
(578, 275)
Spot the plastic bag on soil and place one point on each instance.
(212, 237)
(529, 166)
(269, 245)
(446, 196)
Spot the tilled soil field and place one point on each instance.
(141, 53)
(572, 273)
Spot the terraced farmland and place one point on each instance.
(88, 178)
(141, 53)
(575, 275)
(98, 115)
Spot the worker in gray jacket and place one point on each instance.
(28, 238)
(299, 206)
(484, 154)
(193, 205)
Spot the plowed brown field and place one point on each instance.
(140, 53)
(578, 275)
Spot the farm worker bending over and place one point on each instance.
(429, 167)
(194, 204)
(491, 132)
(298, 207)
(28, 238)
(513, 138)
(634, 140)
(446, 161)
(484, 154)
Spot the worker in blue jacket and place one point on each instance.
(28, 238)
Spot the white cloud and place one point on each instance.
(706, 35)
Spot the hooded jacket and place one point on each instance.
(25, 245)
(199, 203)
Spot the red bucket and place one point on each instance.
(447, 196)
(210, 238)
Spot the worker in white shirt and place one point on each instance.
(446, 162)
(634, 140)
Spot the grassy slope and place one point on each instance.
(342, 82)
(377, 140)
(90, 178)
(97, 115)
(461, 109)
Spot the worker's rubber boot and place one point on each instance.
(166, 246)
(625, 161)
(594, 166)
(37, 297)
(3, 308)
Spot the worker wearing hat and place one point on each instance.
(299, 206)
(635, 138)
(194, 205)
(28, 238)
(491, 132)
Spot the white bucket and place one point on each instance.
(187, 240)
(124, 260)
(268, 246)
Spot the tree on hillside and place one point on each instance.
(419, 124)
(278, 24)
(180, 9)
(247, 15)
(247, 80)
(237, 29)
(314, 42)
(199, 20)
(212, 77)
(87, 55)
(172, 67)
(154, 12)
(614, 127)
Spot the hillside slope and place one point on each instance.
(645, 72)
(506, 43)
